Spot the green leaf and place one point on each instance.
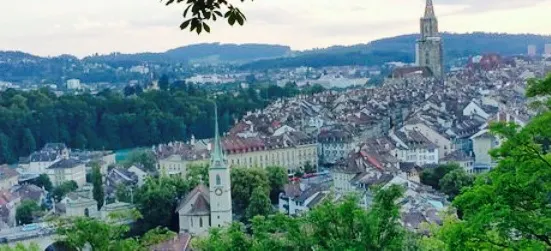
(199, 28)
(231, 20)
(206, 27)
(239, 20)
(185, 24)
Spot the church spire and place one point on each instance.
(429, 9)
(217, 154)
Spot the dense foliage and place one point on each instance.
(66, 187)
(331, 226)
(26, 212)
(80, 233)
(277, 178)
(43, 181)
(111, 121)
(20, 247)
(143, 158)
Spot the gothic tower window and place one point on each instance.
(218, 181)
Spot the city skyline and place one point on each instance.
(61, 27)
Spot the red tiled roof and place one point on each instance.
(179, 243)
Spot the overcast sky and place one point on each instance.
(83, 27)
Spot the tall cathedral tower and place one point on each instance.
(429, 50)
(219, 183)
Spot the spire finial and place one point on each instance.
(429, 9)
(217, 154)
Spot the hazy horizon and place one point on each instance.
(81, 29)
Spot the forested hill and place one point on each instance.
(402, 48)
(109, 120)
(212, 52)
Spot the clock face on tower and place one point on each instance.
(218, 191)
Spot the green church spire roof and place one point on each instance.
(217, 156)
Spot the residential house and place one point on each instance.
(334, 145)
(462, 159)
(67, 170)
(39, 161)
(298, 198)
(477, 109)
(411, 171)
(439, 138)
(174, 158)
(9, 177)
(140, 173)
(119, 177)
(30, 192)
(412, 146)
(483, 142)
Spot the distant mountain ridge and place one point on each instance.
(402, 48)
(210, 52)
(262, 56)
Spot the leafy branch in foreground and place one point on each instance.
(201, 12)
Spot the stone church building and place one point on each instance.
(429, 47)
(205, 207)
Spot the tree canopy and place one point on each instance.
(66, 187)
(26, 212)
(109, 120)
(80, 232)
(44, 181)
(330, 226)
(277, 178)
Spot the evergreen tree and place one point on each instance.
(97, 182)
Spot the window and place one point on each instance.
(200, 222)
(218, 181)
(192, 222)
(86, 212)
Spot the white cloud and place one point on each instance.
(51, 27)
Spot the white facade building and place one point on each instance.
(67, 170)
(73, 84)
